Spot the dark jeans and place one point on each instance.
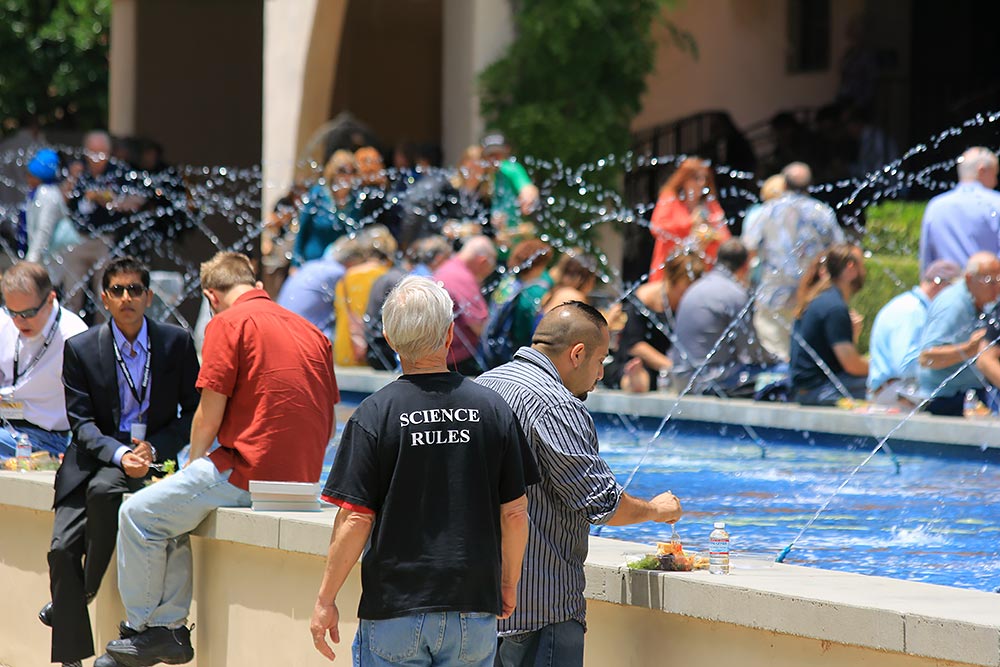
(556, 645)
(829, 394)
(954, 405)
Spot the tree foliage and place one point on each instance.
(54, 62)
(571, 81)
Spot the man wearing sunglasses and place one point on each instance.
(33, 328)
(126, 382)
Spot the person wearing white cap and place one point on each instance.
(894, 344)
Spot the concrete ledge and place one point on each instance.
(874, 613)
(977, 435)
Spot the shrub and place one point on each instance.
(888, 275)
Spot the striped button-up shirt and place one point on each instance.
(577, 489)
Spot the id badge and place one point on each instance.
(12, 409)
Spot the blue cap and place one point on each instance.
(45, 165)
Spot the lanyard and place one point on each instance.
(38, 357)
(139, 397)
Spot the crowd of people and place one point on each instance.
(764, 315)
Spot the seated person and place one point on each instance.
(378, 252)
(463, 276)
(130, 398)
(894, 344)
(952, 336)
(825, 363)
(309, 291)
(640, 361)
(33, 328)
(715, 329)
(516, 301)
(421, 258)
(575, 276)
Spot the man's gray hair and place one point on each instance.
(974, 159)
(416, 316)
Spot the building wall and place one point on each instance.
(198, 79)
(741, 64)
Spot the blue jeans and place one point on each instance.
(53, 442)
(556, 645)
(829, 394)
(154, 550)
(435, 638)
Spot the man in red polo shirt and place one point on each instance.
(267, 396)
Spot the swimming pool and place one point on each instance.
(937, 521)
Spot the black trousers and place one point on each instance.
(83, 541)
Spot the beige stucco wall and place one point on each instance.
(741, 65)
(253, 604)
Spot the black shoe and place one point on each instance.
(153, 645)
(124, 631)
(75, 663)
(106, 661)
(45, 615)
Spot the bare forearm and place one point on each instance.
(203, 432)
(944, 356)
(650, 356)
(989, 364)
(350, 533)
(513, 539)
(664, 508)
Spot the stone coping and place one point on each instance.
(975, 434)
(875, 612)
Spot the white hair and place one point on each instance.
(477, 246)
(416, 316)
(98, 136)
(974, 159)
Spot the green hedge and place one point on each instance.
(888, 275)
(893, 228)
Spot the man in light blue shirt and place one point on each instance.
(895, 339)
(966, 219)
(309, 290)
(954, 328)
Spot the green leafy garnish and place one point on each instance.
(647, 562)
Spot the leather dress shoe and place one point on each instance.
(106, 661)
(45, 615)
(153, 645)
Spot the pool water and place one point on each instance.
(936, 521)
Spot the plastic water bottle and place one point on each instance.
(971, 403)
(23, 452)
(718, 550)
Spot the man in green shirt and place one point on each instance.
(514, 195)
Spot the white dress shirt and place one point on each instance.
(41, 387)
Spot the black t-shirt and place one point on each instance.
(434, 456)
(639, 328)
(825, 322)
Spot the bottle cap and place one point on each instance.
(720, 524)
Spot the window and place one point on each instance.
(808, 36)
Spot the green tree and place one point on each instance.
(568, 87)
(54, 62)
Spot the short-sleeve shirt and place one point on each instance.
(277, 370)
(789, 232)
(510, 179)
(894, 346)
(952, 319)
(470, 306)
(825, 323)
(433, 456)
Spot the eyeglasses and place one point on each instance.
(25, 314)
(135, 290)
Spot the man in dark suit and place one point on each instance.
(126, 382)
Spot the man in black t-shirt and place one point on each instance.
(431, 473)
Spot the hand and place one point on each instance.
(508, 595)
(972, 346)
(857, 321)
(324, 620)
(668, 507)
(134, 466)
(143, 450)
(527, 199)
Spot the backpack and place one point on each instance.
(496, 345)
